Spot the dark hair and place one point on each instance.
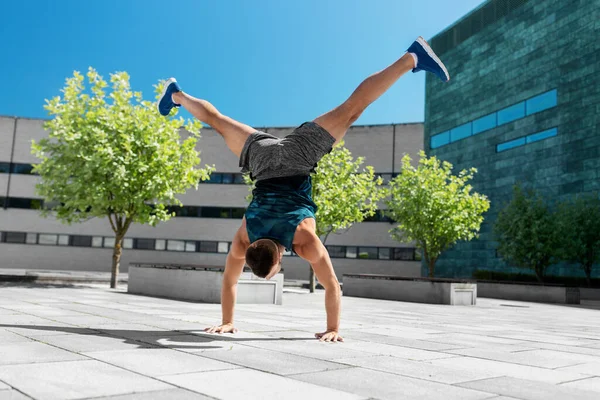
(261, 256)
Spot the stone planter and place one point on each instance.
(531, 292)
(203, 284)
(416, 290)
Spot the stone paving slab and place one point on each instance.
(383, 385)
(528, 390)
(92, 342)
(157, 362)
(13, 395)
(75, 380)
(250, 384)
(171, 394)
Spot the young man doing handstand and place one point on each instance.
(282, 213)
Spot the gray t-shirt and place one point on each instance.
(266, 156)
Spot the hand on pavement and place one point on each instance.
(225, 328)
(329, 336)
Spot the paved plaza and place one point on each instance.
(79, 342)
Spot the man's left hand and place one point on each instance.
(329, 336)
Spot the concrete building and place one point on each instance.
(522, 106)
(213, 213)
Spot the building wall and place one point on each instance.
(382, 146)
(535, 47)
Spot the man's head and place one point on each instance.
(264, 258)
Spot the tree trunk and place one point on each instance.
(588, 274)
(117, 251)
(311, 281)
(539, 274)
(431, 263)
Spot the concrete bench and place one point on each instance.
(416, 290)
(532, 292)
(200, 283)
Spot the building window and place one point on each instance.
(15, 237)
(238, 213)
(208, 247)
(44, 238)
(440, 139)
(97, 241)
(31, 238)
(384, 253)
(238, 179)
(109, 242)
(367, 252)
(511, 113)
(18, 168)
(214, 212)
(223, 247)
(4, 167)
(24, 203)
(161, 244)
(460, 132)
(510, 144)
(144, 244)
(542, 102)
(484, 123)
(336, 251)
(81, 241)
(404, 253)
(175, 245)
(535, 137)
(350, 252)
(63, 240)
(227, 178)
(190, 246)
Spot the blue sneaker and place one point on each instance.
(165, 102)
(427, 60)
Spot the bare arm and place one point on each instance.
(234, 265)
(313, 251)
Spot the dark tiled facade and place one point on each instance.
(503, 53)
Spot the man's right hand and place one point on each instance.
(225, 328)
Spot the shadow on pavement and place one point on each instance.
(149, 339)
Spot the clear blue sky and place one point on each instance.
(263, 62)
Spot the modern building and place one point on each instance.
(201, 235)
(522, 106)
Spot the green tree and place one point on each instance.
(526, 231)
(579, 227)
(113, 155)
(433, 207)
(345, 193)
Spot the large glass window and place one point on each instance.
(510, 144)
(25, 203)
(214, 212)
(460, 132)
(238, 213)
(542, 135)
(440, 139)
(63, 240)
(161, 244)
(384, 253)
(542, 102)
(109, 241)
(227, 178)
(31, 238)
(238, 178)
(351, 252)
(484, 123)
(214, 178)
(128, 243)
(97, 241)
(4, 167)
(511, 113)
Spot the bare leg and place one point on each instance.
(338, 120)
(235, 133)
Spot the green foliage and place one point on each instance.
(433, 207)
(579, 225)
(113, 155)
(344, 192)
(527, 233)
